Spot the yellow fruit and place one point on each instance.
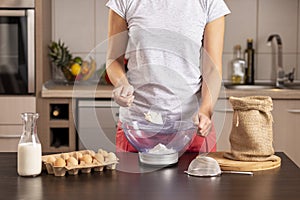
(91, 70)
(85, 67)
(75, 69)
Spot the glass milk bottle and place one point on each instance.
(29, 147)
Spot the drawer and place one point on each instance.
(95, 138)
(12, 107)
(9, 137)
(98, 117)
(9, 144)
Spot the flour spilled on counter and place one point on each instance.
(161, 149)
(154, 117)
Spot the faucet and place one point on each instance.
(281, 77)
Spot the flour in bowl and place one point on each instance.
(161, 149)
(154, 117)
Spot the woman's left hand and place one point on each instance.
(204, 124)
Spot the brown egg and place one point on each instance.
(99, 157)
(91, 152)
(87, 159)
(103, 152)
(50, 160)
(78, 155)
(59, 162)
(65, 156)
(111, 157)
(72, 162)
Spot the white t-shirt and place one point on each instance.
(165, 38)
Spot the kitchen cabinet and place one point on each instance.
(57, 131)
(43, 34)
(10, 120)
(83, 117)
(286, 118)
(80, 124)
(97, 122)
(222, 120)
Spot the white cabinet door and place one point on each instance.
(286, 128)
(12, 107)
(9, 137)
(222, 120)
(10, 120)
(97, 122)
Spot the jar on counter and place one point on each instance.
(238, 67)
(29, 147)
(249, 56)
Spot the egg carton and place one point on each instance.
(76, 162)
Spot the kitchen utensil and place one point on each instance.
(236, 165)
(205, 166)
(159, 144)
(152, 123)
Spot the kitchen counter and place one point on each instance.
(87, 90)
(282, 94)
(167, 183)
(52, 90)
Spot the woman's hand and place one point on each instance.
(117, 43)
(211, 72)
(204, 124)
(123, 95)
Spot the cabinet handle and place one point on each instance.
(294, 110)
(13, 13)
(10, 136)
(224, 110)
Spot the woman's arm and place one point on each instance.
(211, 72)
(117, 43)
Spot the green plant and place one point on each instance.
(59, 54)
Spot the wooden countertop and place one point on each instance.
(52, 90)
(131, 181)
(88, 90)
(273, 93)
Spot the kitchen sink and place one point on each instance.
(293, 86)
(250, 87)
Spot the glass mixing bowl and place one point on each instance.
(159, 144)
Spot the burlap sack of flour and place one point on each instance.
(251, 136)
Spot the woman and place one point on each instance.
(162, 42)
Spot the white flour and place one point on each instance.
(161, 149)
(154, 117)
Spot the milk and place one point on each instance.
(29, 159)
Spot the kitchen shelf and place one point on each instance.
(59, 111)
(57, 134)
(59, 137)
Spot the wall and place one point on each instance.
(258, 19)
(82, 25)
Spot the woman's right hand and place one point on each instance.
(123, 95)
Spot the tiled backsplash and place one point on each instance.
(82, 25)
(258, 19)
